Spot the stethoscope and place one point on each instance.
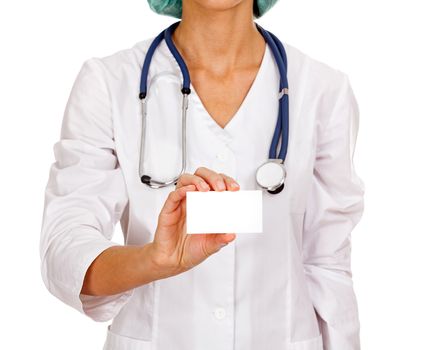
(269, 175)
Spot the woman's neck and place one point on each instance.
(222, 38)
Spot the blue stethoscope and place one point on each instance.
(270, 175)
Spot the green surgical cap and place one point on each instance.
(173, 8)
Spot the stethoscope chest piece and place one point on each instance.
(271, 176)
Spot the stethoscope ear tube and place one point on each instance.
(146, 179)
(166, 34)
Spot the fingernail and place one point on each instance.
(235, 185)
(220, 185)
(205, 186)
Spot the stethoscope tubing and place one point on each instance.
(282, 123)
(178, 57)
(284, 105)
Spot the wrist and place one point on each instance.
(152, 265)
(162, 265)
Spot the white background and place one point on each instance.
(380, 44)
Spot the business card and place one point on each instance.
(224, 211)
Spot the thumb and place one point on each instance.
(216, 241)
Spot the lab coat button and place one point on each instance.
(219, 313)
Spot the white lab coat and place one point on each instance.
(289, 287)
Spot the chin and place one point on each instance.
(218, 5)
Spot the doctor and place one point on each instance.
(289, 287)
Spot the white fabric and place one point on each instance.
(289, 287)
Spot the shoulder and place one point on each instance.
(122, 62)
(315, 75)
(320, 90)
(129, 54)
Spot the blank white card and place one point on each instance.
(224, 211)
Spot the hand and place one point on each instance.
(173, 250)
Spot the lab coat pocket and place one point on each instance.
(309, 344)
(119, 342)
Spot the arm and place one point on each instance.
(84, 198)
(120, 268)
(334, 208)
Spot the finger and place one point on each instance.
(231, 184)
(188, 179)
(175, 197)
(215, 180)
